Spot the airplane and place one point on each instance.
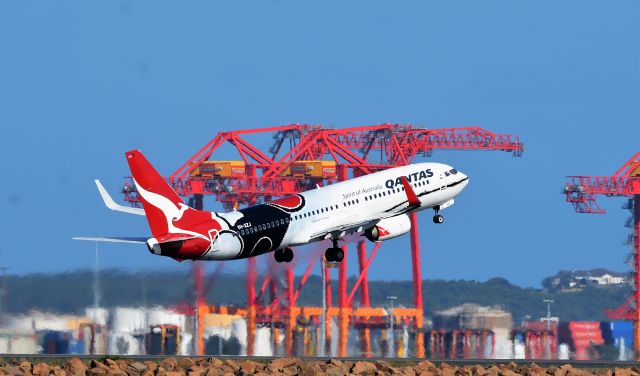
(374, 206)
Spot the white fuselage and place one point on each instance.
(366, 199)
(335, 210)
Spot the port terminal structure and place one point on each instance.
(300, 158)
(582, 192)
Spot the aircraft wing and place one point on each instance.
(124, 239)
(129, 239)
(109, 203)
(340, 231)
(412, 201)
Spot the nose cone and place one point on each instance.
(464, 180)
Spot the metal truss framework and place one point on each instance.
(582, 192)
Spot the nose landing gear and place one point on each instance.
(437, 218)
(283, 255)
(335, 253)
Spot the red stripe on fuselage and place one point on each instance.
(289, 202)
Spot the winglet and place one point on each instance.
(109, 203)
(411, 195)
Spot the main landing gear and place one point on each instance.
(335, 253)
(283, 255)
(437, 218)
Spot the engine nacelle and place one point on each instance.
(389, 228)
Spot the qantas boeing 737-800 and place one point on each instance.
(374, 205)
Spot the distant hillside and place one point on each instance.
(579, 279)
(72, 292)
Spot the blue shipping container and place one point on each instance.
(615, 331)
(56, 342)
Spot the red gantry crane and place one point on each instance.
(582, 192)
(300, 157)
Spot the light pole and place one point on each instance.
(3, 297)
(549, 302)
(96, 284)
(392, 342)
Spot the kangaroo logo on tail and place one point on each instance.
(166, 213)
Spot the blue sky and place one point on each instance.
(82, 82)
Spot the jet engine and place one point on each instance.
(389, 228)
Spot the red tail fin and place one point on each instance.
(161, 203)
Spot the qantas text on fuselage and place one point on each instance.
(374, 205)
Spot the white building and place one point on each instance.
(607, 279)
(599, 277)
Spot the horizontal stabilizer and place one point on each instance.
(124, 239)
(108, 201)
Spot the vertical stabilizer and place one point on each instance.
(161, 203)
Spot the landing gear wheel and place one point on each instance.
(328, 255)
(283, 255)
(287, 255)
(438, 219)
(338, 254)
(279, 255)
(334, 254)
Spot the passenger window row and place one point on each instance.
(383, 194)
(264, 226)
(332, 207)
(316, 212)
(394, 190)
(351, 202)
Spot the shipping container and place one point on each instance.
(77, 347)
(163, 340)
(634, 168)
(56, 342)
(220, 169)
(581, 336)
(94, 337)
(460, 344)
(617, 332)
(312, 169)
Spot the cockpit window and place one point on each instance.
(446, 173)
(454, 171)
